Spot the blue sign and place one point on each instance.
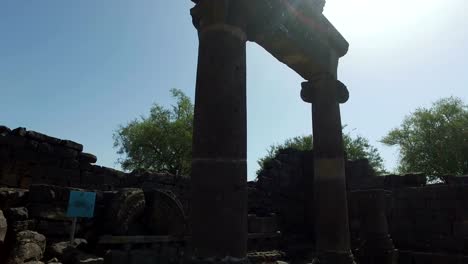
(81, 204)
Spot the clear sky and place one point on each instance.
(77, 69)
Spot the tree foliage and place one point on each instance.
(433, 140)
(160, 142)
(355, 147)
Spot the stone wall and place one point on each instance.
(425, 221)
(433, 218)
(30, 157)
(37, 172)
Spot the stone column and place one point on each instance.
(219, 167)
(377, 245)
(330, 199)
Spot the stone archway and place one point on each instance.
(297, 34)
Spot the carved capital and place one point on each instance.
(308, 91)
(207, 12)
(219, 15)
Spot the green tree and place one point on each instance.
(433, 140)
(355, 148)
(160, 142)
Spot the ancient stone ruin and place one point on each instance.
(305, 206)
(297, 34)
(144, 217)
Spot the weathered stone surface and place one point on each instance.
(4, 130)
(72, 164)
(430, 218)
(65, 152)
(266, 256)
(13, 141)
(12, 197)
(268, 224)
(71, 144)
(144, 257)
(42, 138)
(17, 214)
(219, 135)
(45, 148)
(31, 145)
(46, 194)
(29, 246)
(3, 227)
(377, 245)
(84, 258)
(329, 187)
(54, 261)
(56, 228)
(116, 257)
(19, 226)
(285, 39)
(49, 212)
(164, 214)
(31, 237)
(87, 157)
(127, 206)
(20, 131)
(65, 251)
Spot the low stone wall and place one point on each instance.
(433, 218)
(30, 157)
(414, 257)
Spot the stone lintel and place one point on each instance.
(298, 23)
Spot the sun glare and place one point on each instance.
(379, 16)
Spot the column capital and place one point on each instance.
(219, 15)
(325, 81)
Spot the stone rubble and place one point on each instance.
(29, 246)
(3, 227)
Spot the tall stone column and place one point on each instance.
(219, 167)
(330, 199)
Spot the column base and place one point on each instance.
(383, 257)
(334, 257)
(376, 242)
(218, 260)
(377, 248)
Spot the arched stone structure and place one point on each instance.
(297, 34)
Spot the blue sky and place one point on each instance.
(78, 69)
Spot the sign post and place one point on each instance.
(73, 230)
(80, 204)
